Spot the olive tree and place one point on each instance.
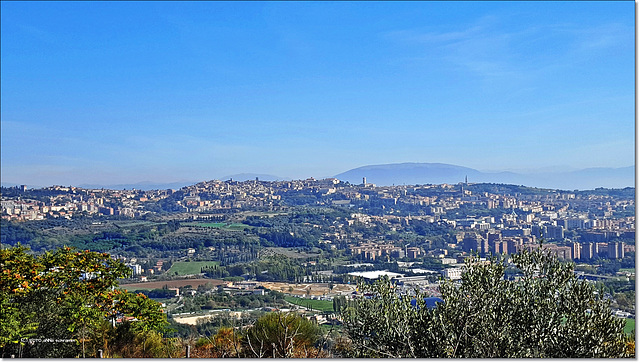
(282, 335)
(545, 312)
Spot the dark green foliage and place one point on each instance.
(608, 267)
(157, 293)
(629, 260)
(339, 303)
(269, 268)
(12, 233)
(423, 228)
(547, 313)
(298, 197)
(257, 221)
(167, 205)
(286, 239)
(129, 238)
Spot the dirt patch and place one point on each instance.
(172, 283)
(315, 289)
(193, 319)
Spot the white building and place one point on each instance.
(453, 273)
(137, 269)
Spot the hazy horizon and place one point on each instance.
(178, 179)
(125, 92)
(555, 177)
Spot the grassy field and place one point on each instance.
(189, 268)
(129, 224)
(236, 226)
(315, 304)
(208, 224)
(630, 326)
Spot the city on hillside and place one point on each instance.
(318, 179)
(328, 233)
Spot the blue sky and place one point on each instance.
(123, 92)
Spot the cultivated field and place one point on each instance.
(322, 305)
(189, 268)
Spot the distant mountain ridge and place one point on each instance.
(439, 173)
(430, 173)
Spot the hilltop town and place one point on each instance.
(235, 249)
(485, 218)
